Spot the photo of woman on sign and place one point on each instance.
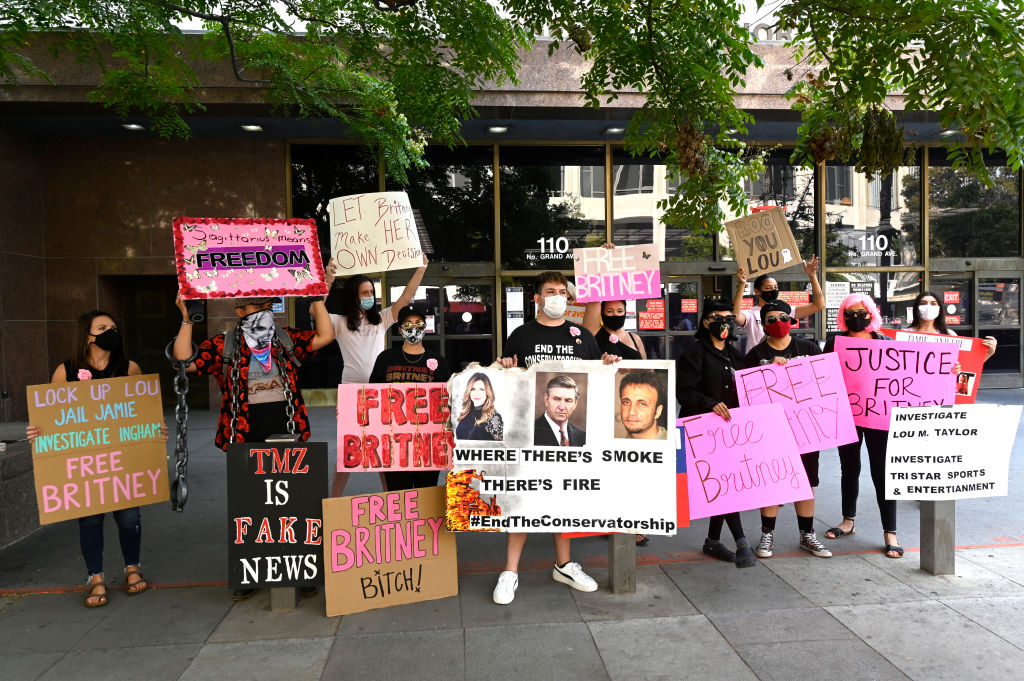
(478, 419)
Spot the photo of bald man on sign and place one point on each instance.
(562, 421)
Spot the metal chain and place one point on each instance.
(179, 487)
(235, 383)
(289, 398)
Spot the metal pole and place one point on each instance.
(622, 563)
(938, 533)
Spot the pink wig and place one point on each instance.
(853, 299)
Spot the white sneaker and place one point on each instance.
(505, 591)
(573, 575)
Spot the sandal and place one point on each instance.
(837, 532)
(95, 598)
(136, 586)
(892, 548)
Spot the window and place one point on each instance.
(838, 185)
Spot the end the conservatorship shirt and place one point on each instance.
(534, 342)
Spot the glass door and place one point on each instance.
(997, 314)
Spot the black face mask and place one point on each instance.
(109, 340)
(613, 322)
(857, 323)
(770, 296)
(720, 330)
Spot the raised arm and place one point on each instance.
(737, 298)
(410, 288)
(324, 329)
(817, 297)
(183, 341)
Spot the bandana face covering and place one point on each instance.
(258, 330)
(413, 335)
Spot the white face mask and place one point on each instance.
(554, 306)
(928, 312)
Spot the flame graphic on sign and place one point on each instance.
(463, 501)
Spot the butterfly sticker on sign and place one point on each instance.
(250, 253)
(763, 242)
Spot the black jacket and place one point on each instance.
(706, 376)
(543, 435)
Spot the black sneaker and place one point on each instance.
(716, 549)
(744, 554)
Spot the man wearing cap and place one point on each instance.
(253, 405)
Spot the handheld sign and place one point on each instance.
(812, 392)
(971, 358)
(749, 461)
(387, 549)
(275, 526)
(959, 452)
(882, 375)
(620, 273)
(100, 447)
(244, 258)
(373, 233)
(393, 427)
(763, 242)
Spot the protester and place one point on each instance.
(605, 320)
(360, 327)
(410, 362)
(255, 366)
(928, 318)
(706, 382)
(766, 289)
(478, 419)
(778, 347)
(98, 354)
(549, 337)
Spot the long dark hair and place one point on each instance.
(80, 358)
(350, 303)
(940, 321)
(711, 305)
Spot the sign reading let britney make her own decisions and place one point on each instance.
(620, 273)
(99, 448)
(242, 257)
(373, 233)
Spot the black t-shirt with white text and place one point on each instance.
(534, 342)
(395, 366)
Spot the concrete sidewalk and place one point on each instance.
(857, 615)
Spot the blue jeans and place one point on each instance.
(129, 528)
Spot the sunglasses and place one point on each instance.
(856, 315)
(409, 326)
(778, 318)
(720, 318)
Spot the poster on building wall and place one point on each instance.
(620, 273)
(244, 257)
(566, 446)
(750, 461)
(99, 446)
(812, 393)
(882, 375)
(387, 549)
(373, 233)
(763, 242)
(652, 318)
(971, 358)
(942, 453)
(275, 524)
(393, 427)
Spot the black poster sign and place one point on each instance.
(275, 517)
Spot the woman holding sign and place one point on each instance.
(605, 320)
(928, 318)
(705, 382)
(98, 354)
(360, 327)
(766, 290)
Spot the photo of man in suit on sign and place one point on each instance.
(552, 428)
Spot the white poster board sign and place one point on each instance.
(373, 233)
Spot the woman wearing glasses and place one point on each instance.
(410, 363)
(705, 382)
(778, 347)
(858, 317)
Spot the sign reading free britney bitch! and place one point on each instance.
(243, 258)
(99, 447)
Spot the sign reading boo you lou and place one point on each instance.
(274, 522)
(387, 549)
(99, 448)
(763, 242)
(242, 257)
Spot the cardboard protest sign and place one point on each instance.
(971, 358)
(959, 452)
(763, 242)
(393, 427)
(387, 549)
(616, 471)
(275, 526)
(750, 461)
(243, 258)
(373, 233)
(99, 448)
(812, 391)
(882, 375)
(620, 273)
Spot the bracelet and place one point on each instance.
(186, 323)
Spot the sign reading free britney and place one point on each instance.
(620, 273)
(99, 447)
(243, 258)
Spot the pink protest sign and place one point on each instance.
(393, 427)
(812, 391)
(749, 461)
(971, 357)
(244, 258)
(881, 375)
(620, 273)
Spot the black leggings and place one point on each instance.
(735, 526)
(849, 461)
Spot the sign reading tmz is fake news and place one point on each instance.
(99, 446)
